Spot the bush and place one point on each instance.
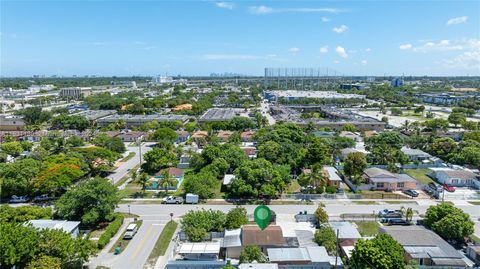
(331, 189)
(110, 231)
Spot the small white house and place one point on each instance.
(455, 177)
(70, 227)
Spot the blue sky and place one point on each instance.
(201, 37)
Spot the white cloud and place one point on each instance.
(225, 5)
(336, 62)
(406, 46)
(341, 52)
(368, 49)
(441, 45)
(364, 62)
(325, 19)
(139, 43)
(340, 29)
(457, 20)
(324, 49)
(294, 50)
(262, 10)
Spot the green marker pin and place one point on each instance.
(262, 215)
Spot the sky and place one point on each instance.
(104, 38)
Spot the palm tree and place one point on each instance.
(409, 214)
(143, 180)
(168, 181)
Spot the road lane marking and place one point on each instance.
(141, 242)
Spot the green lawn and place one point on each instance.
(163, 241)
(124, 243)
(474, 202)
(368, 228)
(128, 157)
(134, 190)
(475, 239)
(420, 175)
(365, 202)
(293, 187)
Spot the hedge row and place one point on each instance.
(110, 231)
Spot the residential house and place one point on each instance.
(200, 137)
(346, 151)
(303, 257)
(381, 179)
(455, 177)
(182, 136)
(174, 172)
(232, 243)
(332, 175)
(203, 255)
(11, 123)
(271, 236)
(369, 134)
(70, 227)
(473, 252)
(223, 136)
(132, 136)
(247, 136)
(416, 155)
(352, 135)
(424, 246)
(258, 266)
(251, 152)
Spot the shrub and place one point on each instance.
(331, 189)
(110, 231)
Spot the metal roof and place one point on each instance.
(332, 173)
(200, 248)
(345, 230)
(228, 178)
(288, 254)
(232, 238)
(67, 226)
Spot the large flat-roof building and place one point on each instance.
(137, 120)
(10, 123)
(75, 92)
(220, 114)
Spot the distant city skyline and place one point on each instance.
(198, 38)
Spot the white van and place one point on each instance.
(131, 231)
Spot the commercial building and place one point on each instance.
(11, 123)
(138, 120)
(220, 114)
(290, 95)
(396, 82)
(75, 92)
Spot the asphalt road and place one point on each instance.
(139, 248)
(265, 109)
(155, 211)
(125, 167)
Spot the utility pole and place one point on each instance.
(336, 250)
(139, 141)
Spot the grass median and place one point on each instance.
(163, 242)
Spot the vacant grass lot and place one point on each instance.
(420, 175)
(367, 228)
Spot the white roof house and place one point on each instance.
(70, 227)
(454, 177)
(228, 178)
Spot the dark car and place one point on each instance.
(411, 193)
(398, 222)
(435, 186)
(43, 198)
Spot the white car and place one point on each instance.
(131, 231)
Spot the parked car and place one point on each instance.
(386, 220)
(449, 188)
(411, 193)
(18, 199)
(435, 186)
(43, 198)
(386, 213)
(172, 200)
(398, 222)
(131, 231)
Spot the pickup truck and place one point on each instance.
(390, 213)
(172, 200)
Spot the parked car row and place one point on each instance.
(393, 217)
(25, 199)
(189, 199)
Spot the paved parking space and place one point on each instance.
(462, 194)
